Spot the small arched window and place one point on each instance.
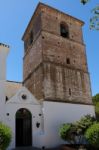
(64, 31)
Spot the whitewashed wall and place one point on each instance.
(2, 101)
(16, 103)
(55, 114)
(3, 56)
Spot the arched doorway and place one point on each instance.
(23, 128)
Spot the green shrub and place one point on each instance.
(92, 135)
(83, 124)
(63, 131)
(5, 136)
(95, 98)
(96, 103)
(67, 133)
(74, 133)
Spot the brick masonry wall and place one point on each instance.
(51, 20)
(32, 58)
(46, 71)
(58, 80)
(35, 83)
(57, 49)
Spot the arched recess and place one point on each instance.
(23, 127)
(64, 30)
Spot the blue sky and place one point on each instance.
(14, 18)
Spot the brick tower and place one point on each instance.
(55, 64)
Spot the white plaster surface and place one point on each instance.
(16, 103)
(3, 56)
(55, 114)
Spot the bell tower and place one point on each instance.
(55, 64)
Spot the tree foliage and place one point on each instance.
(92, 135)
(74, 133)
(94, 20)
(95, 98)
(96, 103)
(5, 136)
(84, 1)
(63, 132)
(84, 123)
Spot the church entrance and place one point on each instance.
(23, 128)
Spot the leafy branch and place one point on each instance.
(94, 20)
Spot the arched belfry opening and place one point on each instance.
(23, 128)
(64, 30)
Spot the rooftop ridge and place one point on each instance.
(14, 81)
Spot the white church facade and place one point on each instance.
(34, 119)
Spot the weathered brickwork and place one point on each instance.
(35, 28)
(59, 79)
(55, 68)
(32, 58)
(57, 49)
(35, 83)
(51, 23)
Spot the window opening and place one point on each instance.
(64, 31)
(68, 61)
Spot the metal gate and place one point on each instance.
(23, 128)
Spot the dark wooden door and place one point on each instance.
(23, 128)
